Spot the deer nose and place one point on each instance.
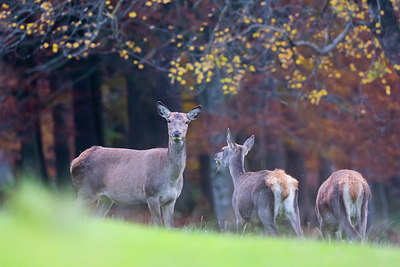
(176, 133)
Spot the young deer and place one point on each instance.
(343, 197)
(259, 196)
(130, 177)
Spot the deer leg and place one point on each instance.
(295, 222)
(327, 224)
(155, 211)
(339, 235)
(239, 223)
(358, 224)
(339, 211)
(168, 213)
(268, 220)
(103, 206)
(239, 219)
(362, 225)
(325, 232)
(84, 200)
(294, 216)
(81, 202)
(321, 229)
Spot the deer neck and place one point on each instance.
(176, 158)
(236, 167)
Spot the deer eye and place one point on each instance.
(187, 122)
(168, 121)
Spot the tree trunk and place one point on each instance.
(205, 183)
(276, 157)
(380, 204)
(61, 148)
(32, 162)
(388, 34)
(87, 105)
(221, 182)
(146, 129)
(32, 159)
(222, 191)
(325, 169)
(6, 175)
(296, 168)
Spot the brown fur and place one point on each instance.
(132, 177)
(354, 180)
(341, 178)
(78, 166)
(254, 196)
(279, 177)
(331, 203)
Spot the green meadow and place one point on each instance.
(42, 228)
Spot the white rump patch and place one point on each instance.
(353, 209)
(289, 201)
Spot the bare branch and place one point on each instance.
(326, 49)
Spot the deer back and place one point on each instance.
(124, 175)
(274, 185)
(347, 183)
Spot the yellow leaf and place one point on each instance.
(387, 89)
(132, 14)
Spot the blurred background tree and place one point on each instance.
(316, 82)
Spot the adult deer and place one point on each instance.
(343, 197)
(130, 177)
(259, 196)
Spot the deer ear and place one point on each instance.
(249, 143)
(229, 139)
(163, 110)
(194, 113)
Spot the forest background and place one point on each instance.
(317, 82)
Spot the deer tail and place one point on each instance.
(341, 213)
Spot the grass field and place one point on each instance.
(40, 229)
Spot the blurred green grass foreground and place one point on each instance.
(39, 227)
